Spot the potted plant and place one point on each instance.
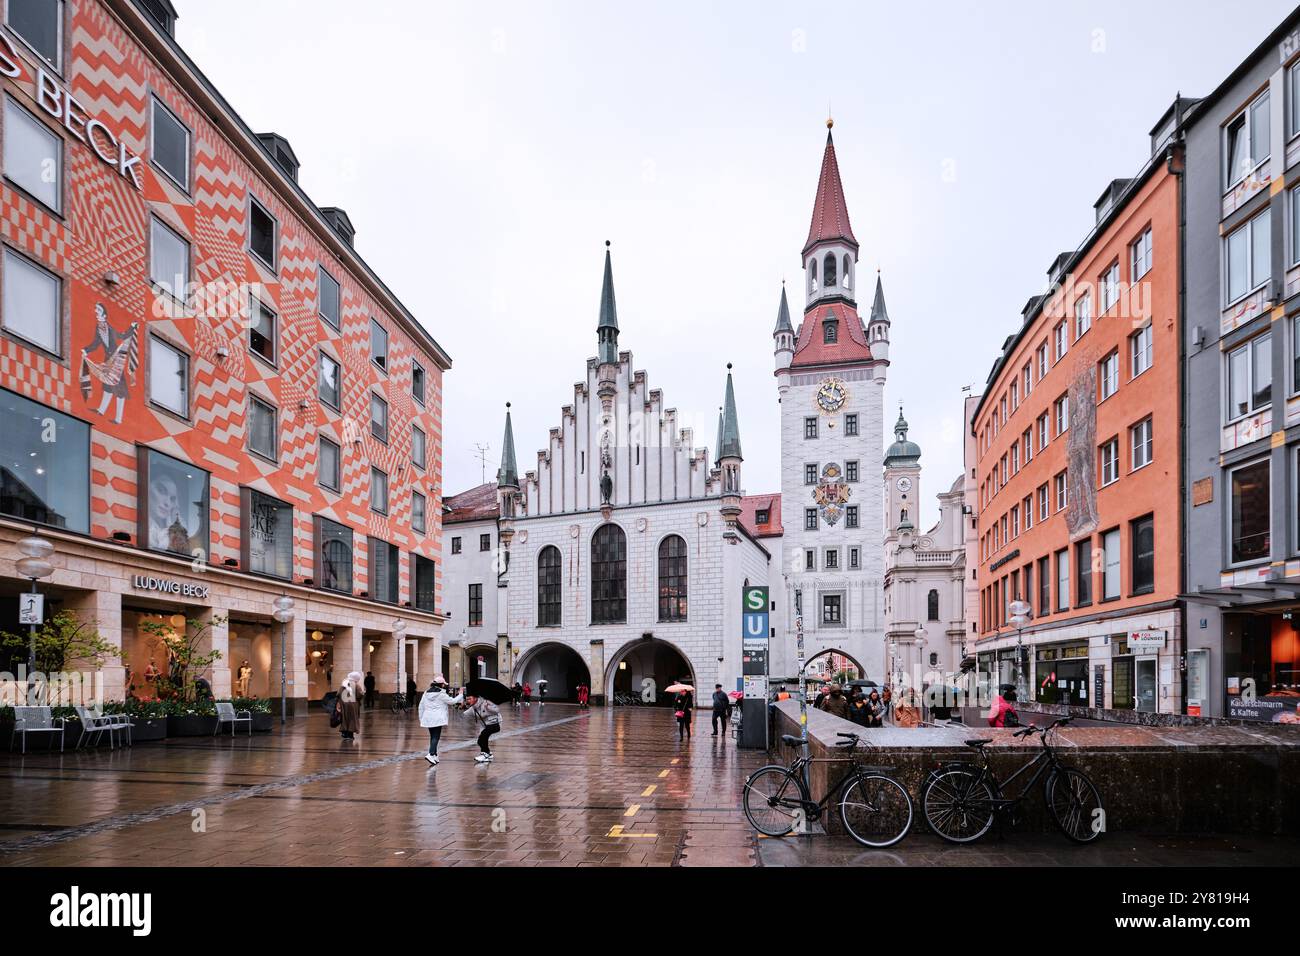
(191, 718)
(260, 708)
(64, 643)
(148, 717)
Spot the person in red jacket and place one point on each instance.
(1003, 713)
(583, 695)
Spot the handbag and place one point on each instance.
(680, 714)
(336, 715)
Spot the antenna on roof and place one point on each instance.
(481, 452)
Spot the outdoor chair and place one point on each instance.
(36, 720)
(94, 725)
(226, 714)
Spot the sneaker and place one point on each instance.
(482, 758)
(490, 756)
(431, 758)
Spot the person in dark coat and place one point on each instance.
(683, 705)
(411, 692)
(370, 690)
(721, 709)
(349, 706)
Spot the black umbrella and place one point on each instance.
(491, 688)
(862, 683)
(329, 700)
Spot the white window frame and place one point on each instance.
(1141, 350)
(1060, 340)
(1141, 440)
(1082, 315)
(274, 453)
(1108, 470)
(1108, 288)
(321, 274)
(1061, 491)
(56, 142)
(154, 341)
(1061, 414)
(155, 222)
(1253, 282)
(422, 443)
(9, 258)
(1249, 348)
(189, 143)
(58, 63)
(1044, 503)
(338, 450)
(1112, 572)
(273, 265)
(373, 485)
(1140, 255)
(1231, 180)
(338, 378)
(1108, 375)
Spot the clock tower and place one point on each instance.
(902, 481)
(830, 374)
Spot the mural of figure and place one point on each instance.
(121, 359)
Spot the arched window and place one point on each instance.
(609, 575)
(848, 272)
(548, 587)
(828, 270)
(672, 579)
(812, 276)
(932, 606)
(831, 332)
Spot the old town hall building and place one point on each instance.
(618, 561)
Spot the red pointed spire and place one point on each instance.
(830, 218)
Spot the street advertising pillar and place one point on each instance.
(754, 647)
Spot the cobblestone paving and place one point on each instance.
(606, 787)
(610, 787)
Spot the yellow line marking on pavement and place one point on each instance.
(662, 774)
(649, 790)
(675, 759)
(631, 811)
(617, 831)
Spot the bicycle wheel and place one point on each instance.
(958, 804)
(1074, 802)
(876, 810)
(773, 800)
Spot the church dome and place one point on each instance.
(902, 451)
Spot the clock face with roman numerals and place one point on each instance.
(832, 395)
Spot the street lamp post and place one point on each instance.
(399, 638)
(1019, 614)
(799, 662)
(34, 565)
(284, 614)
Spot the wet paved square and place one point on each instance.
(605, 787)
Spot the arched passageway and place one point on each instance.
(835, 665)
(559, 665)
(481, 660)
(643, 668)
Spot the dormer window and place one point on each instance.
(762, 517)
(831, 332)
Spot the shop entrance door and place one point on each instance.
(1122, 689)
(1145, 683)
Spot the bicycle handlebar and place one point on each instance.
(1035, 729)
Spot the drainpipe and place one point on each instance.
(1176, 163)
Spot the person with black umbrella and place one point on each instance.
(482, 695)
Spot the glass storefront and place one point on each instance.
(1062, 674)
(1134, 677)
(1261, 661)
(45, 465)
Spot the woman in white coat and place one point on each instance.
(435, 712)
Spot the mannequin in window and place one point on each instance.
(245, 675)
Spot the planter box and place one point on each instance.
(263, 723)
(148, 728)
(191, 726)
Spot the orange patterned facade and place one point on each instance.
(95, 235)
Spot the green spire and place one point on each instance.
(783, 314)
(607, 327)
(878, 312)
(729, 442)
(508, 473)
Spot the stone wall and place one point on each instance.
(1153, 780)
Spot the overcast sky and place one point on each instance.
(485, 153)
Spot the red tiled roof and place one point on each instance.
(750, 505)
(830, 218)
(851, 339)
(473, 505)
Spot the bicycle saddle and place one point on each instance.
(791, 741)
(978, 742)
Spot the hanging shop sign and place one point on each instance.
(1146, 639)
(56, 100)
(145, 582)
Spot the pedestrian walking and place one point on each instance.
(370, 690)
(528, 694)
(721, 709)
(349, 705)
(836, 703)
(1003, 713)
(541, 690)
(411, 691)
(683, 704)
(584, 695)
(435, 712)
(875, 710)
(516, 695)
(487, 716)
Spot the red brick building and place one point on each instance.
(1078, 465)
(239, 406)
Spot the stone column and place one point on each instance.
(384, 663)
(297, 670)
(503, 659)
(427, 660)
(347, 654)
(213, 627)
(596, 667)
(102, 610)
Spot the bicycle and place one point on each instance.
(776, 799)
(960, 800)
